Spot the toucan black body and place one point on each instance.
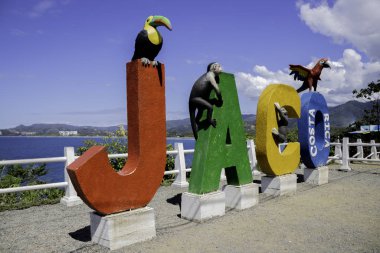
(144, 48)
(149, 41)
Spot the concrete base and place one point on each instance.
(71, 201)
(255, 172)
(242, 197)
(317, 176)
(223, 177)
(279, 185)
(198, 208)
(119, 230)
(345, 168)
(180, 184)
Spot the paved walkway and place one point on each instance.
(341, 216)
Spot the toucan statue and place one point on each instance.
(309, 77)
(149, 41)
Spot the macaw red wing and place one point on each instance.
(300, 72)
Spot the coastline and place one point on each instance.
(30, 147)
(84, 136)
(49, 136)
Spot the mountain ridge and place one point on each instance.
(340, 116)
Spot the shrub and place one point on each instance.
(18, 175)
(118, 145)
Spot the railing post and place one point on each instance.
(252, 157)
(338, 152)
(374, 150)
(71, 198)
(345, 155)
(359, 148)
(180, 165)
(223, 175)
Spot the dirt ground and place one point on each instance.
(341, 216)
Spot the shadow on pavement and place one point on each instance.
(176, 200)
(83, 234)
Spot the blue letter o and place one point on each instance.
(314, 130)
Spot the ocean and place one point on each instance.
(23, 147)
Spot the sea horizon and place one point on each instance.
(31, 147)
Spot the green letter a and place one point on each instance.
(223, 146)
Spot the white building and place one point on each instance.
(68, 133)
(28, 133)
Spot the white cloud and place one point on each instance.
(346, 74)
(114, 41)
(176, 114)
(18, 33)
(354, 21)
(41, 7)
(203, 60)
(116, 111)
(65, 2)
(170, 78)
(46, 6)
(21, 33)
(252, 84)
(197, 62)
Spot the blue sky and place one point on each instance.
(63, 61)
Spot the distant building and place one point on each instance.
(367, 129)
(1, 133)
(68, 133)
(28, 133)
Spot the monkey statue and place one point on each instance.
(282, 121)
(200, 97)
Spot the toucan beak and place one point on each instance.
(161, 21)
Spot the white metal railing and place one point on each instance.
(34, 187)
(341, 155)
(337, 157)
(342, 152)
(71, 198)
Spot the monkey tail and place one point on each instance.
(192, 121)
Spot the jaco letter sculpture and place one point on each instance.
(95, 181)
(270, 160)
(314, 130)
(99, 186)
(220, 139)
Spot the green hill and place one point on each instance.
(340, 116)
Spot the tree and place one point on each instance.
(372, 116)
(18, 175)
(370, 93)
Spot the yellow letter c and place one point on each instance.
(270, 160)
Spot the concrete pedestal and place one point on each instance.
(317, 176)
(242, 197)
(255, 172)
(71, 201)
(180, 184)
(119, 230)
(279, 185)
(202, 207)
